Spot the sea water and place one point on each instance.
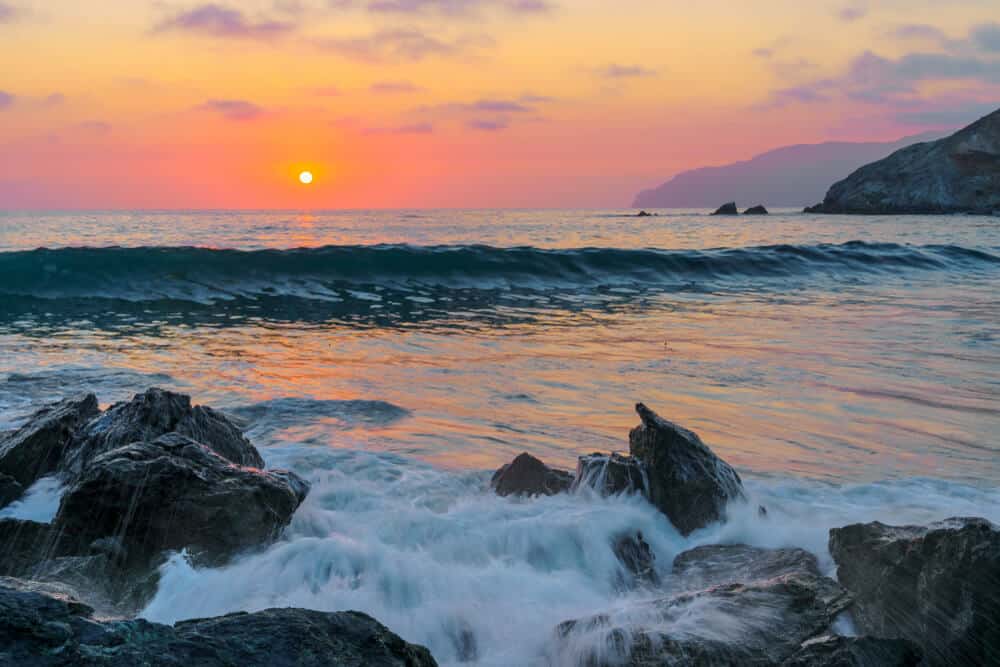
(848, 367)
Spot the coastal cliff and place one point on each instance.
(958, 174)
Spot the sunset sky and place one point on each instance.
(457, 103)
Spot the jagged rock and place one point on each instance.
(758, 623)
(35, 449)
(638, 558)
(644, 214)
(756, 210)
(958, 174)
(718, 564)
(837, 651)
(152, 414)
(528, 476)
(174, 493)
(10, 490)
(23, 543)
(41, 628)
(727, 209)
(610, 474)
(687, 482)
(936, 585)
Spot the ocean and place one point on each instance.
(847, 367)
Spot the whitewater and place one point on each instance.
(848, 368)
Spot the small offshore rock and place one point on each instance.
(36, 449)
(727, 209)
(687, 481)
(936, 585)
(756, 210)
(151, 414)
(610, 474)
(644, 214)
(837, 651)
(528, 476)
(174, 493)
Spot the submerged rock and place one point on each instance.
(36, 449)
(10, 490)
(41, 627)
(151, 414)
(687, 481)
(756, 210)
(936, 585)
(727, 209)
(718, 564)
(836, 651)
(174, 493)
(758, 623)
(958, 174)
(528, 476)
(610, 474)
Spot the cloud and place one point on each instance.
(986, 36)
(53, 100)
(455, 7)
(852, 13)
(616, 71)
(763, 53)
(6, 99)
(9, 13)
(214, 20)
(485, 125)
(414, 128)
(394, 88)
(239, 110)
(918, 31)
(399, 45)
(952, 114)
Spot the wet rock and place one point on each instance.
(958, 174)
(528, 476)
(758, 623)
(35, 449)
(610, 474)
(756, 210)
(638, 558)
(727, 209)
(174, 493)
(837, 651)
(644, 214)
(687, 481)
(151, 414)
(23, 543)
(718, 564)
(39, 627)
(936, 585)
(10, 490)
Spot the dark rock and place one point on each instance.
(643, 214)
(610, 474)
(958, 174)
(527, 476)
(35, 449)
(936, 585)
(727, 209)
(837, 651)
(174, 493)
(23, 543)
(718, 564)
(687, 482)
(638, 558)
(758, 623)
(151, 414)
(10, 490)
(39, 627)
(756, 210)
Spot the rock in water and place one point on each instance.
(687, 482)
(938, 585)
(151, 414)
(756, 210)
(720, 564)
(835, 651)
(528, 476)
(758, 623)
(610, 474)
(10, 490)
(174, 493)
(39, 626)
(35, 449)
(638, 558)
(958, 174)
(727, 209)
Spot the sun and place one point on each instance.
(306, 177)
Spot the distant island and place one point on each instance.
(957, 174)
(789, 176)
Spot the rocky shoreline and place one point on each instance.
(156, 475)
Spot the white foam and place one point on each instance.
(39, 503)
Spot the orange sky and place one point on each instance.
(464, 103)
